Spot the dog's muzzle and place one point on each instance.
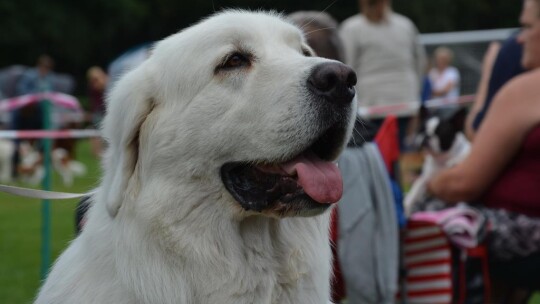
(308, 181)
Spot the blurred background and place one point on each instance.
(82, 34)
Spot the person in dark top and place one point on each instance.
(507, 65)
(98, 81)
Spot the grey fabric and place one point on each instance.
(368, 231)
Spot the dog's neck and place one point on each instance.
(274, 258)
(459, 148)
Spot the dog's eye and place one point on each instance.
(236, 60)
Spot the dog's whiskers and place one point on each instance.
(321, 29)
(320, 13)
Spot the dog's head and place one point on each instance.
(439, 129)
(237, 107)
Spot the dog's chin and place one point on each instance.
(273, 187)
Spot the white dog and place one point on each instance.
(219, 173)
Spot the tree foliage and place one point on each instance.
(79, 34)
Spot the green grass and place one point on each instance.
(20, 232)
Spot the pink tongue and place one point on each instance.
(321, 180)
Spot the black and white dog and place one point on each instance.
(441, 136)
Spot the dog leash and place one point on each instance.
(41, 194)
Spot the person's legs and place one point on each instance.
(515, 281)
(519, 272)
(502, 293)
(514, 253)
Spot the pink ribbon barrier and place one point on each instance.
(60, 99)
(411, 108)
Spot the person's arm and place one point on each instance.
(481, 92)
(515, 110)
(445, 90)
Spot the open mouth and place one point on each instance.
(306, 184)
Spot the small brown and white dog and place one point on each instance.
(30, 169)
(219, 173)
(32, 172)
(67, 167)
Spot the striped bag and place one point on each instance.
(437, 272)
(428, 263)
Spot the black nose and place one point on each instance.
(333, 81)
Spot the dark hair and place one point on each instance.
(371, 3)
(321, 33)
(45, 60)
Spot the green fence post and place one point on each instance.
(46, 185)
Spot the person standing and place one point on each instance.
(30, 117)
(97, 85)
(39, 79)
(384, 50)
(34, 80)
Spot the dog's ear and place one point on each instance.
(423, 113)
(458, 119)
(128, 105)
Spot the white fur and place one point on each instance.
(162, 228)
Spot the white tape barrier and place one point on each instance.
(411, 108)
(40, 194)
(26, 134)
